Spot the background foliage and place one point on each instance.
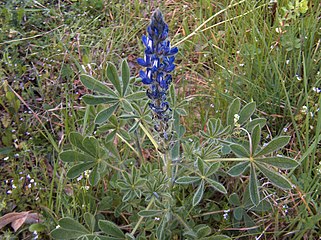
(257, 51)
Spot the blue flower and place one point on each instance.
(158, 62)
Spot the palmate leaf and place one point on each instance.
(246, 112)
(69, 229)
(95, 100)
(112, 75)
(91, 144)
(201, 166)
(253, 187)
(212, 169)
(69, 223)
(256, 137)
(150, 213)
(78, 169)
(233, 109)
(76, 139)
(94, 176)
(90, 221)
(111, 229)
(198, 195)
(238, 169)
(105, 114)
(239, 150)
(187, 180)
(276, 178)
(64, 234)
(216, 185)
(136, 95)
(72, 156)
(94, 85)
(257, 121)
(279, 162)
(125, 75)
(274, 145)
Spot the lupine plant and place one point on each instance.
(159, 184)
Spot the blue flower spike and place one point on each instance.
(158, 62)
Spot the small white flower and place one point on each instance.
(87, 188)
(9, 192)
(304, 109)
(79, 178)
(29, 185)
(236, 118)
(156, 218)
(16, 155)
(6, 158)
(287, 61)
(285, 129)
(299, 78)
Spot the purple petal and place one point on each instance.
(142, 62)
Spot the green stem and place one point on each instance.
(141, 218)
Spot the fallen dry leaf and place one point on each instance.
(17, 219)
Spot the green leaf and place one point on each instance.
(256, 137)
(150, 213)
(274, 145)
(94, 176)
(253, 187)
(216, 185)
(187, 180)
(239, 150)
(39, 227)
(111, 229)
(280, 162)
(78, 169)
(276, 178)
(233, 109)
(203, 231)
(90, 221)
(136, 95)
(76, 139)
(234, 199)
(160, 232)
(198, 195)
(105, 114)
(71, 156)
(238, 213)
(125, 75)
(95, 100)
(113, 77)
(63, 234)
(71, 224)
(200, 166)
(212, 169)
(91, 144)
(246, 112)
(238, 169)
(250, 125)
(94, 85)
